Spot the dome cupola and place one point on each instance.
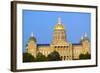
(59, 25)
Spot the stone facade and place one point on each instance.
(67, 51)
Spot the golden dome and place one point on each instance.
(59, 26)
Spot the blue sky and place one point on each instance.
(42, 24)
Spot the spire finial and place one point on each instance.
(32, 34)
(81, 37)
(85, 35)
(59, 20)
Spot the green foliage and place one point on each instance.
(85, 56)
(54, 56)
(88, 56)
(28, 57)
(40, 57)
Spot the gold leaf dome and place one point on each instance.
(59, 25)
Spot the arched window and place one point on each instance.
(67, 57)
(58, 46)
(61, 57)
(64, 57)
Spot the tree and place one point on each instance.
(88, 56)
(40, 57)
(81, 56)
(54, 56)
(85, 56)
(28, 57)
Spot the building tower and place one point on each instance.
(86, 44)
(32, 46)
(59, 43)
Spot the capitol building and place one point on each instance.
(59, 43)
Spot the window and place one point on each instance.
(61, 46)
(64, 57)
(61, 57)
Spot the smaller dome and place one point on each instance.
(32, 38)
